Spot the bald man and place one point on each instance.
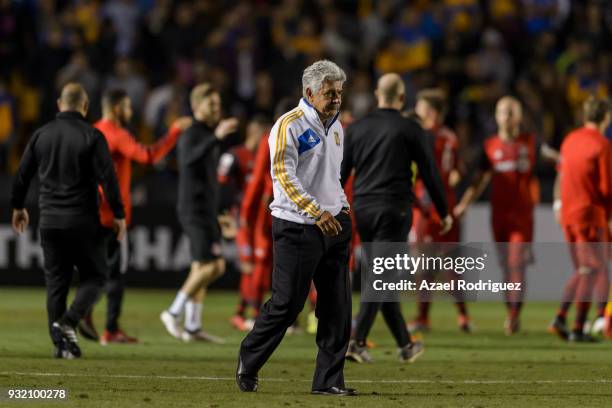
(507, 161)
(71, 159)
(380, 149)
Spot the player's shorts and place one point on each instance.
(588, 245)
(514, 239)
(204, 240)
(425, 230)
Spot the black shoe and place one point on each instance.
(580, 337)
(246, 382)
(65, 340)
(87, 329)
(335, 391)
(559, 327)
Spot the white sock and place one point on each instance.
(193, 316)
(176, 308)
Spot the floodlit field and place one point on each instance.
(483, 369)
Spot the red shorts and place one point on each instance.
(588, 245)
(514, 239)
(427, 229)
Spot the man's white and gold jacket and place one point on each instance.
(306, 158)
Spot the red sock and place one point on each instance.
(423, 311)
(461, 308)
(582, 311)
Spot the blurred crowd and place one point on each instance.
(550, 53)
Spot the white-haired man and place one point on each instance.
(311, 231)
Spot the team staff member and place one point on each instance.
(585, 186)
(311, 231)
(380, 148)
(71, 159)
(116, 115)
(198, 207)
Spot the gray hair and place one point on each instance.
(319, 72)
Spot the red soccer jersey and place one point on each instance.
(512, 164)
(586, 178)
(124, 149)
(445, 148)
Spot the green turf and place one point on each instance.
(483, 369)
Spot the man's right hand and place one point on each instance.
(459, 210)
(119, 228)
(328, 224)
(183, 123)
(226, 127)
(446, 224)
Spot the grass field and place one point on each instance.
(483, 369)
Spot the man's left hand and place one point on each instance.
(328, 224)
(20, 220)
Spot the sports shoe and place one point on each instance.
(312, 323)
(172, 324)
(463, 321)
(409, 353)
(117, 337)
(200, 335)
(239, 323)
(294, 330)
(419, 325)
(512, 326)
(249, 324)
(558, 326)
(578, 336)
(65, 340)
(87, 328)
(357, 353)
(598, 326)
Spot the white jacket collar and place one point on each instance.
(311, 115)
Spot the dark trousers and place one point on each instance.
(115, 283)
(382, 222)
(63, 251)
(303, 254)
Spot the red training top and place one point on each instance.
(124, 149)
(586, 178)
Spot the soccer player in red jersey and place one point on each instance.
(431, 109)
(507, 161)
(585, 188)
(117, 113)
(238, 165)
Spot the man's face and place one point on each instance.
(508, 116)
(210, 108)
(124, 111)
(328, 99)
(426, 113)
